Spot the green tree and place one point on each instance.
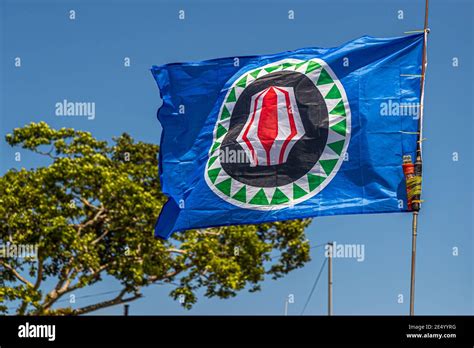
(91, 212)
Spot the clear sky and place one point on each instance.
(83, 60)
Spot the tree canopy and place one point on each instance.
(91, 213)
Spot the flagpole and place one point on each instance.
(418, 164)
(413, 258)
(331, 250)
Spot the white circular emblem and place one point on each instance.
(280, 136)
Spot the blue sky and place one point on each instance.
(82, 60)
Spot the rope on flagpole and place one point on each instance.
(413, 188)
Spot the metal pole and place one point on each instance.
(418, 165)
(330, 247)
(125, 309)
(413, 259)
(286, 306)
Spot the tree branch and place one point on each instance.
(16, 274)
(205, 232)
(153, 279)
(39, 276)
(89, 204)
(102, 236)
(100, 215)
(63, 288)
(177, 251)
(115, 301)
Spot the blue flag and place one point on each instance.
(304, 133)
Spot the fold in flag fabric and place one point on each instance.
(304, 133)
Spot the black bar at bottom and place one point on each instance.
(430, 330)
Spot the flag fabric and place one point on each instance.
(304, 133)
